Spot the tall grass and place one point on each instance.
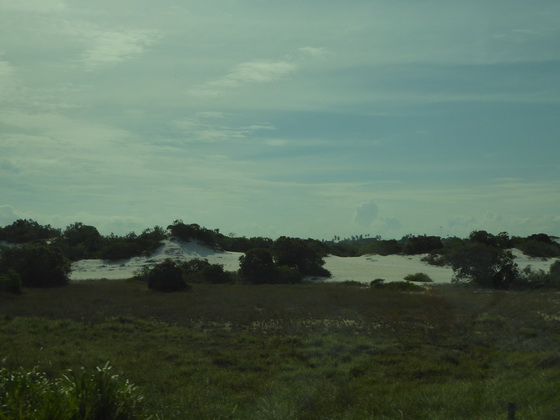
(310, 351)
(31, 394)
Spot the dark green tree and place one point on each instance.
(166, 277)
(10, 282)
(24, 230)
(483, 265)
(81, 241)
(256, 266)
(302, 255)
(421, 244)
(37, 265)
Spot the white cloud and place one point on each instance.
(8, 81)
(212, 127)
(33, 6)
(313, 52)
(112, 47)
(366, 214)
(258, 71)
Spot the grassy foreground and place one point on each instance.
(311, 351)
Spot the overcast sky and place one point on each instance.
(300, 118)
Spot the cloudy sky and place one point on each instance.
(303, 118)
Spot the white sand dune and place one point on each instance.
(176, 250)
(362, 269)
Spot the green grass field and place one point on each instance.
(309, 351)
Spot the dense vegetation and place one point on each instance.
(44, 258)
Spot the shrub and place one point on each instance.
(530, 278)
(166, 277)
(214, 273)
(37, 265)
(483, 265)
(305, 256)
(396, 285)
(287, 275)
(120, 250)
(383, 247)
(200, 270)
(421, 244)
(193, 232)
(434, 258)
(81, 241)
(78, 395)
(256, 266)
(419, 277)
(377, 283)
(22, 231)
(10, 282)
(196, 265)
(539, 249)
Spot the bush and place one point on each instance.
(22, 231)
(166, 277)
(434, 258)
(78, 395)
(200, 270)
(10, 282)
(37, 265)
(419, 277)
(421, 244)
(215, 274)
(377, 283)
(483, 265)
(287, 275)
(256, 266)
(539, 249)
(304, 256)
(120, 250)
(530, 278)
(396, 285)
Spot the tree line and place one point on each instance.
(44, 255)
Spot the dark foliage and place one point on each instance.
(418, 277)
(421, 244)
(23, 231)
(539, 249)
(79, 241)
(10, 282)
(193, 232)
(501, 240)
(383, 247)
(37, 265)
(257, 266)
(483, 265)
(132, 245)
(201, 271)
(166, 277)
(304, 256)
(287, 275)
(243, 244)
(396, 285)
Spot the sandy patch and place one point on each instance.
(362, 269)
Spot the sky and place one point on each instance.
(298, 118)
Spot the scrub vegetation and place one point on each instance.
(265, 343)
(307, 351)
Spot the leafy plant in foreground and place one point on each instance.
(78, 395)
